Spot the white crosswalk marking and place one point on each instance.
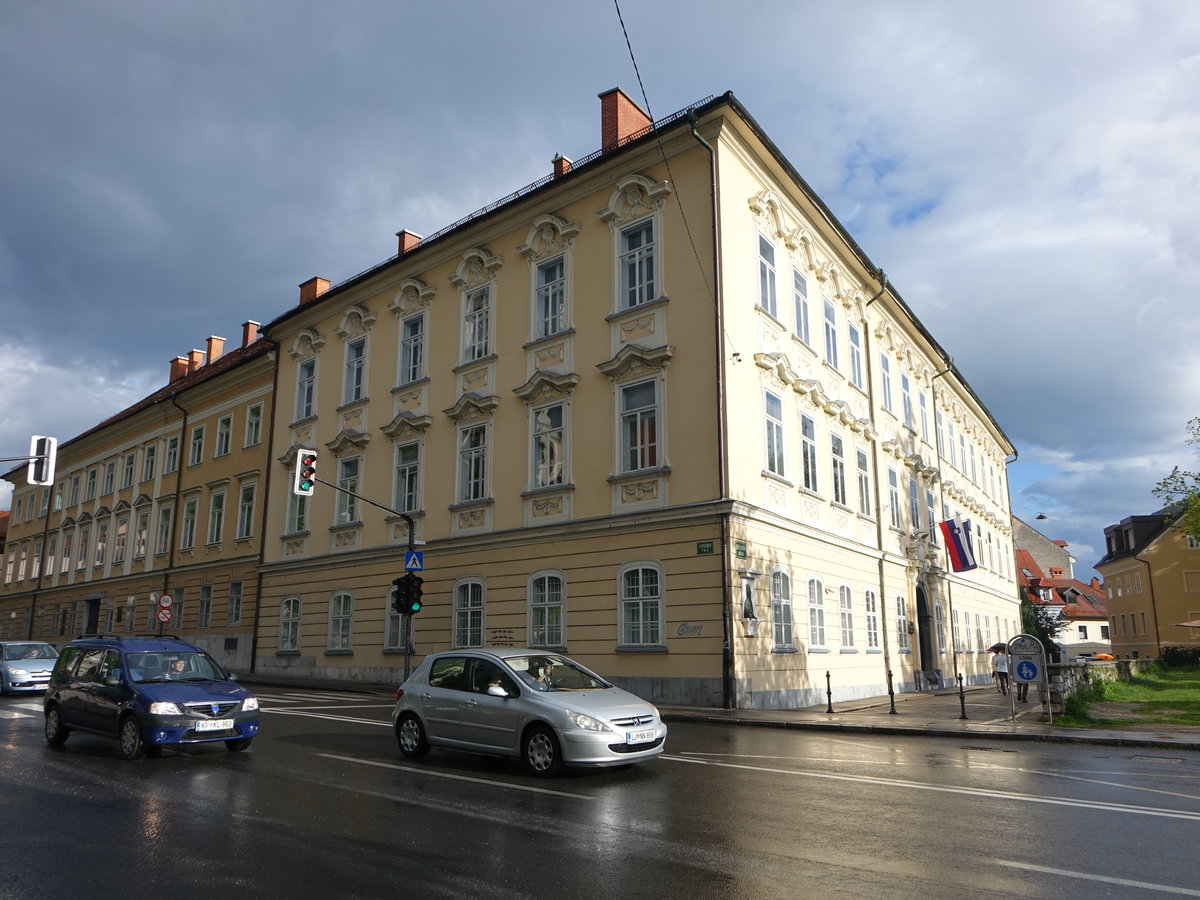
(21, 710)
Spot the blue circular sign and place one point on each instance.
(1027, 670)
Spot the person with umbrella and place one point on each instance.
(1000, 665)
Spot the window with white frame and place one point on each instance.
(85, 539)
(408, 472)
(774, 427)
(297, 514)
(641, 606)
(781, 609)
(800, 297)
(550, 298)
(939, 622)
(89, 493)
(254, 425)
(224, 432)
(468, 614)
(914, 502)
(412, 348)
(637, 264)
(846, 609)
(216, 516)
(856, 359)
(127, 475)
(923, 406)
(885, 379)
(548, 457)
(118, 543)
(141, 536)
(163, 542)
(396, 630)
(306, 388)
(864, 482)
(767, 299)
(816, 613)
(472, 463)
(477, 324)
(289, 625)
(346, 504)
(931, 515)
(906, 400)
(838, 457)
(808, 451)
(894, 498)
(171, 460)
(979, 634)
(831, 342)
(546, 610)
(233, 612)
(245, 520)
(356, 359)
(902, 639)
(187, 529)
(639, 426)
(110, 469)
(871, 612)
(341, 618)
(196, 449)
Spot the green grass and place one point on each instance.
(1158, 698)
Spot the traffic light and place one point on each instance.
(408, 594)
(43, 451)
(400, 598)
(305, 478)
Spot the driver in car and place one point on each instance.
(176, 668)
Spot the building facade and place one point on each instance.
(1152, 575)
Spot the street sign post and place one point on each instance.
(1027, 665)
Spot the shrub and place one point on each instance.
(1177, 657)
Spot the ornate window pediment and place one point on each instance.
(122, 506)
(102, 512)
(632, 361)
(85, 518)
(472, 407)
(412, 296)
(544, 385)
(478, 266)
(548, 236)
(347, 440)
(634, 197)
(356, 322)
(68, 522)
(406, 425)
(779, 365)
(308, 342)
(142, 500)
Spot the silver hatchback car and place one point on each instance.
(542, 708)
(25, 665)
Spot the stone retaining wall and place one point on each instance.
(1066, 679)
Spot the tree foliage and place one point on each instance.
(1183, 488)
(1043, 623)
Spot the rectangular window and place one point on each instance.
(306, 387)
(163, 541)
(289, 624)
(216, 517)
(171, 461)
(781, 609)
(468, 614)
(864, 483)
(110, 469)
(224, 430)
(871, 605)
(902, 640)
(234, 611)
(245, 521)
(637, 264)
(906, 400)
(641, 606)
(187, 536)
(58, 496)
(297, 513)
(204, 607)
(74, 496)
(914, 503)
(894, 498)
(346, 505)
(546, 611)
(766, 277)
(548, 457)
(839, 469)
(831, 343)
(923, 406)
(931, 515)
(141, 535)
(412, 349)
(808, 451)
(408, 471)
(196, 450)
(35, 562)
(816, 613)
(1083, 632)
(774, 425)
(472, 463)
(885, 376)
(477, 325)
(127, 474)
(846, 609)
(356, 358)
(89, 493)
(148, 460)
(639, 426)
(254, 425)
(800, 296)
(1104, 632)
(118, 542)
(856, 360)
(550, 299)
(85, 540)
(395, 635)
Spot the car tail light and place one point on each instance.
(399, 693)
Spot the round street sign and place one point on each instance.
(1026, 670)
(164, 615)
(165, 601)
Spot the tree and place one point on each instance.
(1041, 621)
(1183, 489)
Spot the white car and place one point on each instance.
(540, 707)
(25, 665)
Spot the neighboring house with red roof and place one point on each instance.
(1045, 575)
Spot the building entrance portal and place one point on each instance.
(926, 645)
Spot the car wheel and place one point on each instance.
(56, 732)
(541, 752)
(130, 738)
(410, 735)
(237, 745)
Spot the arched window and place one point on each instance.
(816, 613)
(641, 611)
(341, 616)
(468, 613)
(547, 610)
(781, 608)
(289, 624)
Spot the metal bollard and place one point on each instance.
(828, 692)
(891, 694)
(962, 697)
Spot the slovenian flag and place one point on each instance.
(959, 548)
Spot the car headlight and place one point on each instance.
(164, 708)
(250, 703)
(586, 722)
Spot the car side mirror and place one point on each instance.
(112, 679)
(497, 690)
(229, 676)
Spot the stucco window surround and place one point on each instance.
(549, 250)
(340, 640)
(345, 450)
(634, 214)
(305, 351)
(470, 599)
(640, 447)
(782, 611)
(476, 280)
(354, 329)
(548, 468)
(548, 609)
(407, 432)
(411, 305)
(474, 462)
(641, 589)
(288, 639)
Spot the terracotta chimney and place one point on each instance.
(312, 289)
(249, 332)
(195, 359)
(561, 165)
(409, 240)
(179, 368)
(620, 117)
(216, 346)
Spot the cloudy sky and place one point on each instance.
(1026, 173)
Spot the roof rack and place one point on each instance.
(105, 635)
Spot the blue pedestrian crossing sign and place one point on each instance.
(414, 561)
(1026, 670)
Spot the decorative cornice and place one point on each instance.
(544, 385)
(472, 407)
(407, 425)
(633, 197)
(413, 295)
(635, 360)
(357, 321)
(549, 235)
(308, 342)
(478, 267)
(346, 440)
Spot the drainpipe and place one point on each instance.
(727, 656)
(266, 496)
(179, 464)
(1153, 608)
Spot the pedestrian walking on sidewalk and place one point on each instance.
(1000, 669)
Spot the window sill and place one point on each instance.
(548, 489)
(848, 650)
(287, 652)
(470, 364)
(778, 479)
(352, 404)
(303, 420)
(346, 526)
(409, 385)
(632, 310)
(470, 504)
(783, 651)
(640, 473)
(641, 648)
(339, 652)
(818, 649)
(289, 535)
(547, 339)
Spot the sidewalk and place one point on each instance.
(937, 713)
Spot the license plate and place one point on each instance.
(640, 737)
(214, 725)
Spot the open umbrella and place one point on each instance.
(998, 648)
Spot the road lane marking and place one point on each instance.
(1088, 876)
(945, 789)
(316, 715)
(433, 774)
(1116, 784)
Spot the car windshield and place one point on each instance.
(554, 673)
(173, 665)
(29, 651)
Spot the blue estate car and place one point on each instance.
(147, 692)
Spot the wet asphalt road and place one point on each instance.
(323, 805)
